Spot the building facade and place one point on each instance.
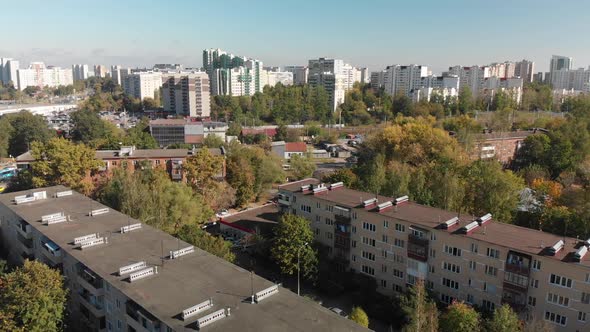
(525, 69)
(187, 94)
(80, 72)
(41, 76)
(124, 275)
(403, 80)
(271, 77)
(8, 71)
(300, 74)
(459, 257)
(142, 85)
(185, 131)
(118, 74)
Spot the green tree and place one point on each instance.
(211, 244)
(359, 316)
(60, 161)
(281, 134)
(465, 103)
(301, 167)
(151, 103)
(459, 317)
(293, 238)
(140, 137)
(26, 129)
(32, 298)
(504, 320)
(89, 128)
(240, 176)
(213, 141)
(344, 175)
(421, 312)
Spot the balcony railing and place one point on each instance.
(90, 278)
(516, 301)
(342, 240)
(24, 230)
(342, 219)
(517, 268)
(417, 248)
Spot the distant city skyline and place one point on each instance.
(374, 35)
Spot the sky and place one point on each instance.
(369, 33)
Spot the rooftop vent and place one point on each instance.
(93, 242)
(401, 200)
(98, 212)
(580, 253)
(217, 315)
(319, 190)
(143, 273)
(85, 238)
(47, 217)
(449, 223)
(186, 313)
(266, 293)
(181, 252)
(485, 218)
(469, 227)
(130, 228)
(131, 268)
(305, 188)
(55, 218)
(336, 185)
(30, 197)
(383, 206)
(64, 193)
(370, 202)
(556, 247)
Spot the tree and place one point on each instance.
(60, 161)
(420, 310)
(213, 141)
(465, 104)
(359, 316)
(504, 320)
(140, 137)
(202, 168)
(240, 176)
(293, 238)
(89, 128)
(344, 175)
(459, 317)
(211, 244)
(26, 129)
(32, 298)
(301, 167)
(281, 134)
(150, 103)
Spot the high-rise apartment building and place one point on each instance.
(471, 77)
(118, 73)
(123, 275)
(458, 257)
(403, 80)
(223, 67)
(187, 94)
(577, 79)
(300, 74)
(273, 76)
(8, 68)
(525, 69)
(559, 62)
(101, 71)
(41, 76)
(143, 84)
(335, 76)
(80, 72)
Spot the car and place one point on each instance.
(339, 312)
(222, 213)
(209, 224)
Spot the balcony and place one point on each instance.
(342, 219)
(24, 230)
(53, 252)
(341, 240)
(516, 300)
(89, 322)
(284, 200)
(519, 269)
(139, 319)
(417, 248)
(518, 263)
(90, 281)
(94, 303)
(27, 244)
(516, 282)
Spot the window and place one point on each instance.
(305, 208)
(451, 267)
(329, 222)
(383, 268)
(384, 238)
(558, 299)
(399, 258)
(532, 301)
(582, 316)
(119, 325)
(109, 326)
(368, 226)
(383, 283)
(354, 229)
(400, 228)
(384, 253)
(474, 248)
(317, 218)
(158, 161)
(587, 277)
(368, 270)
(560, 281)
(485, 286)
(555, 318)
(353, 258)
(109, 306)
(398, 288)
(318, 205)
(446, 298)
(317, 232)
(450, 283)
(469, 282)
(329, 235)
(536, 264)
(430, 268)
(494, 253)
(354, 215)
(353, 244)
(490, 270)
(470, 299)
(452, 250)
(488, 305)
(432, 253)
(368, 241)
(385, 224)
(399, 243)
(398, 274)
(118, 303)
(417, 233)
(368, 255)
(586, 298)
(472, 265)
(412, 279)
(534, 283)
(433, 236)
(429, 284)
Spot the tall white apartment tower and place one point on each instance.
(80, 72)
(557, 63)
(399, 79)
(329, 73)
(8, 68)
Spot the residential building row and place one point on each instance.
(475, 259)
(42, 76)
(185, 131)
(232, 75)
(124, 275)
(8, 68)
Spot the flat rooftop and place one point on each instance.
(180, 283)
(261, 220)
(514, 237)
(136, 154)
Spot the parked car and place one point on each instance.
(222, 213)
(339, 312)
(209, 224)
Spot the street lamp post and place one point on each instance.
(299, 268)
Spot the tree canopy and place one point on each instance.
(459, 317)
(359, 316)
(293, 238)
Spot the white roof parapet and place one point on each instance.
(85, 238)
(57, 220)
(189, 312)
(93, 242)
(98, 212)
(266, 293)
(471, 226)
(131, 268)
(450, 222)
(485, 218)
(143, 273)
(30, 197)
(370, 202)
(130, 228)
(212, 317)
(48, 217)
(181, 252)
(401, 200)
(63, 193)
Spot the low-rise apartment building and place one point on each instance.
(185, 131)
(469, 258)
(502, 146)
(130, 158)
(123, 275)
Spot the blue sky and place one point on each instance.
(372, 33)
